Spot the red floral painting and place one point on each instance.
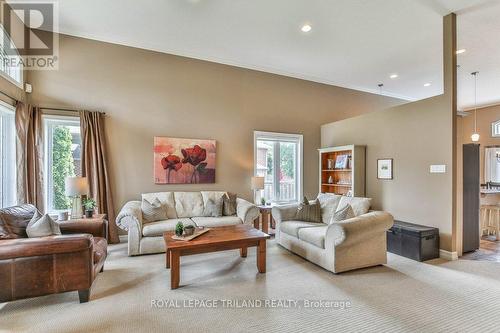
(184, 161)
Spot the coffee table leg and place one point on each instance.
(174, 269)
(261, 256)
(167, 258)
(243, 252)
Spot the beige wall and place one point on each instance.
(415, 135)
(147, 94)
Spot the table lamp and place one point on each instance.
(76, 187)
(257, 186)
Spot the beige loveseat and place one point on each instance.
(336, 246)
(186, 207)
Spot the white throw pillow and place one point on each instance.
(329, 203)
(42, 227)
(153, 211)
(360, 206)
(344, 214)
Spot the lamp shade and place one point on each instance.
(76, 186)
(257, 183)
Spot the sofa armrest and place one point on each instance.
(246, 211)
(284, 213)
(357, 229)
(32, 247)
(130, 216)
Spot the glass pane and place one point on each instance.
(66, 155)
(8, 186)
(265, 166)
(288, 169)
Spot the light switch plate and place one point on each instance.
(438, 168)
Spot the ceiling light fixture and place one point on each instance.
(394, 76)
(428, 84)
(475, 136)
(306, 28)
(461, 51)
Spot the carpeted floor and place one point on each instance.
(404, 296)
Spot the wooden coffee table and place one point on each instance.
(217, 239)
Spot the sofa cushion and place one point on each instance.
(314, 235)
(166, 199)
(309, 212)
(158, 228)
(213, 203)
(229, 206)
(343, 214)
(188, 204)
(329, 203)
(153, 211)
(14, 220)
(42, 227)
(217, 221)
(360, 206)
(292, 227)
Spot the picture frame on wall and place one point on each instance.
(384, 168)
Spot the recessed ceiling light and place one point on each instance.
(306, 28)
(427, 84)
(461, 51)
(394, 76)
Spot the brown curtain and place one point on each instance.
(29, 155)
(95, 167)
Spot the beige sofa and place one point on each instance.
(339, 246)
(187, 207)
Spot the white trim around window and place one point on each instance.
(278, 138)
(8, 186)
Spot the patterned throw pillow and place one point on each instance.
(308, 212)
(213, 208)
(229, 200)
(153, 211)
(42, 227)
(343, 214)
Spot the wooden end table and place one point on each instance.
(97, 226)
(267, 218)
(217, 239)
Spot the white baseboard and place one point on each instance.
(447, 255)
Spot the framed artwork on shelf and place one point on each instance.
(341, 162)
(384, 168)
(184, 161)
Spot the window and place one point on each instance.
(8, 184)
(11, 66)
(63, 153)
(495, 129)
(278, 158)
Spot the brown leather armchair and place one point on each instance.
(32, 267)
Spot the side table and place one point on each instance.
(96, 226)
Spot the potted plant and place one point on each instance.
(188, 230)
(179, 229)
(89, 204)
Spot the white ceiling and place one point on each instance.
(353, 43)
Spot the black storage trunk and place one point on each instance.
(413, 241)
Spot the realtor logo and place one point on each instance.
(28, 37)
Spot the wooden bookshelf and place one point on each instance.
(348, 178)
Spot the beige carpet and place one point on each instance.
(404, 296)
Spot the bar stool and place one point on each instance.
(490, 220)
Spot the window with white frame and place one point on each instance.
(8, 186)
(495, 129)
(10, 63)
(278, 158)
(63, 145)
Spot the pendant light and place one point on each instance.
(475, 136)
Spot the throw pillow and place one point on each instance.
(42, 227)
(359, 205)
(309, 212)
(343, 214)
(213, 208)
(329, 204)
(229, 203)
(153, 211)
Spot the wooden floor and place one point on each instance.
(489, 250)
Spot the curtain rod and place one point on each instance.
(9, 96)
(66, 109)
